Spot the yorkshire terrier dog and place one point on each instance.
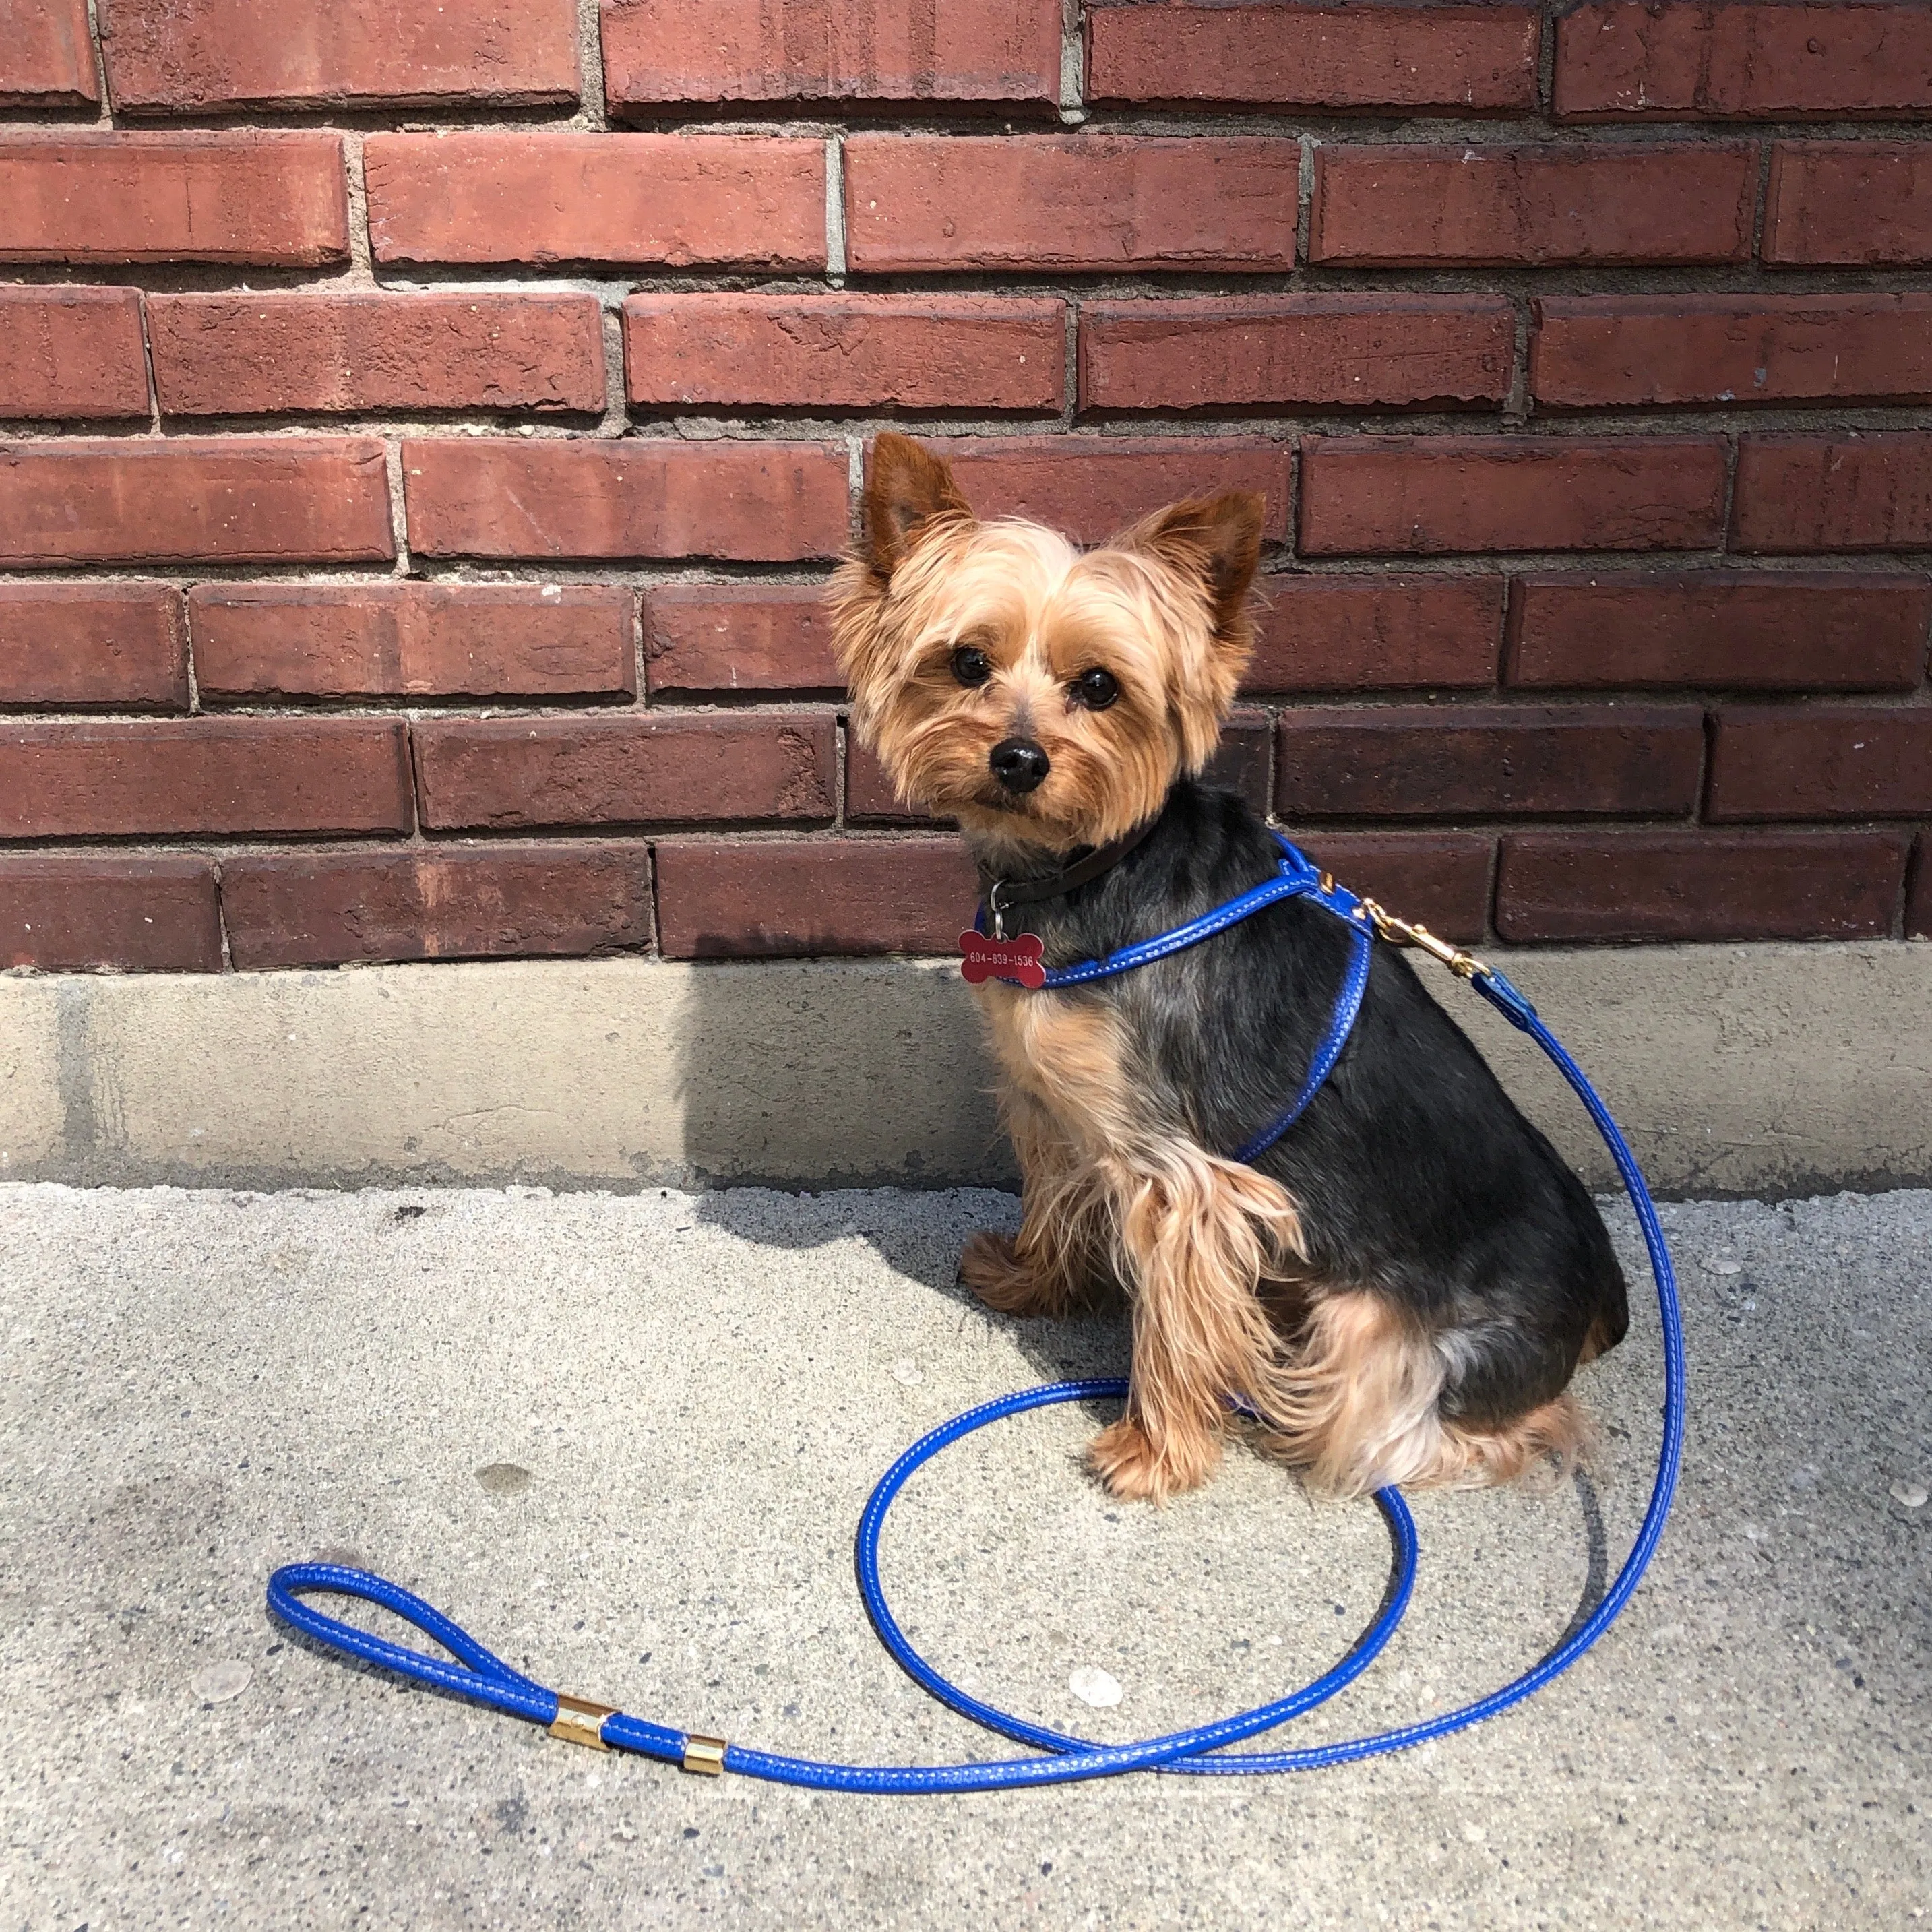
(1400, 1288)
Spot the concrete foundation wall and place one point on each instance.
(1766, 1070)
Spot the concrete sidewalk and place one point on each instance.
(625, 1440)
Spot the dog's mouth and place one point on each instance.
(1017, 825)
(1012, 805)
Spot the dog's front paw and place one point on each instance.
(1135, 1467)
(992, 1268)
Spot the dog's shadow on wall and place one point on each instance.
(761, 1069)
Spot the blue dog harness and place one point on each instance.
(1296, 877)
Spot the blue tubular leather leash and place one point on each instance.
(484, 1678)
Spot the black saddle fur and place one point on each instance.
(1416, 1176)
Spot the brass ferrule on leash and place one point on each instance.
(705, 1755)
(1401, 932)
(578, 1721)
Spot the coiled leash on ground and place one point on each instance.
(486, 1679)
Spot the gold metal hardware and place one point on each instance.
(1401, 932)
(578, 1721)
(705, 1755)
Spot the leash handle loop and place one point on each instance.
(479, 1674)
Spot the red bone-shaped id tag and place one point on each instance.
(1017, 959)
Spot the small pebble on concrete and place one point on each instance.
(216, 1683)
(1093, 1685)
(1911, 1495)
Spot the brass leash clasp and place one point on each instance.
(1401, 932)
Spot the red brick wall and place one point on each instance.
(428, 423)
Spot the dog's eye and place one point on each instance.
(970, 666)
(1094, 689)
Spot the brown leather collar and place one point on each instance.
(1002, 895)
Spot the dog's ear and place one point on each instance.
(1216, 540)
(908, 487)
(1214, 543)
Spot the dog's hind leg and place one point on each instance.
(1557, 1431)
(1194, 1235)
(1361, 1405)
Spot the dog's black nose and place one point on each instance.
(1019, 763)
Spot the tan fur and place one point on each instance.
(1111, 1194)
(1596, 1340)
(1361, 1409)
(1061, 1259)
(1196, 1233)
(1118, 1193)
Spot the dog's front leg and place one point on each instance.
(1057, 1261)
(1196, 1234)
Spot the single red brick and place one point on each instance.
(1850, 491)
(1610, 350)
(1757, 632)
(1053, 201)
(82, 910)
(1856, 202)
(391, 639)
(46, 55)
(1463, 59)
(1918, 898)
(188, 56)
(1245, 352)
(1092, 486)
(203, 774)
(71, 352)
(1440, 879)
(871, 799)
(1241, 760)
(845, 352)
(1376, 633)
(542, 198)
(278, 200)
(1595, 887)
(1402, 761)
(660, 769)
(1396, 494)
(709, 640)
(239, 355)
(1824, 761)
(758, 501)
(721, 898)
(1407, 205)
(492, 901)
(256, 500)
(1693, 60)
(122, 644)
(654, 52)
